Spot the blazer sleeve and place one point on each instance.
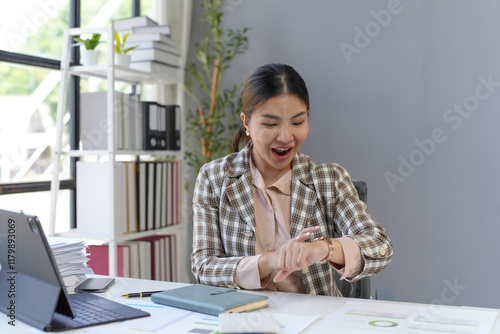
(210, 263)
(351, 219)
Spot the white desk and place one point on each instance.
(282, 303)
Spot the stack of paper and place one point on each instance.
(71, 258)
(248, 322)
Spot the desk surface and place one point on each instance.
(279, 303)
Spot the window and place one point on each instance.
(28, 96)
(28, 100)
(34, 27)
(99, 13)
(30, 50)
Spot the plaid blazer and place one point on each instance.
(322, 195)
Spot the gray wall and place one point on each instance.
(395, 114)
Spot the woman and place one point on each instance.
(268, 217)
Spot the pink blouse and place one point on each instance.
(272, 229)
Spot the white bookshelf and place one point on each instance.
(113, 73)
(126, 74)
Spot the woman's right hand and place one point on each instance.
(297, 254)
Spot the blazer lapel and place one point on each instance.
(303, 195)
(239, 188)
(240, 196)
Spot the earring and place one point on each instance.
(247, 133)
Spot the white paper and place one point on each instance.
(166, 319)
(248, 322)
(71, 258)
(293, 323)
(366, 317)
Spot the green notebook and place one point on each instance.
(210, 299)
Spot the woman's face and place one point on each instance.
(278, 128)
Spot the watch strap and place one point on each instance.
(331, 249)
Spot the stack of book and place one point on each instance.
(152, 257)
(147, 196)
(139, 125)
(71, 258)
(156, 51)
(217, 301)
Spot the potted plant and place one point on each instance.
(90, 55)
(121, 56)
(210, 127)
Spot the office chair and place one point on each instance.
(361, 288)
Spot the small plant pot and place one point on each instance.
(122, 59)
(89, 57)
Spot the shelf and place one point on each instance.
(73, 233)
(138, 74)
(126, 74)
(81, 153)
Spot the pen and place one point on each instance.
(140, 294)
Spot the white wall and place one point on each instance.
(367, 113)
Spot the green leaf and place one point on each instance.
(221, 44)
(130, 48)
(90, 43)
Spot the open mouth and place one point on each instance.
(281, 152)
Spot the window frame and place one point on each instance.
(74, 109)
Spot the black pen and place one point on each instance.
(140, 294)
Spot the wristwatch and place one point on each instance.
(329, 242)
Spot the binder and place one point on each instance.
(173, 132)
(153, 128)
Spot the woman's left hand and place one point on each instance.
(297, 254)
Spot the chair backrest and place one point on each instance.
(361, 288)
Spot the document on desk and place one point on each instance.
(372, 317)
(166, 319)
(163, 319)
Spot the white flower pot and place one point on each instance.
(122, 59)
(89, 57)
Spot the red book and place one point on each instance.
(99, 260)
